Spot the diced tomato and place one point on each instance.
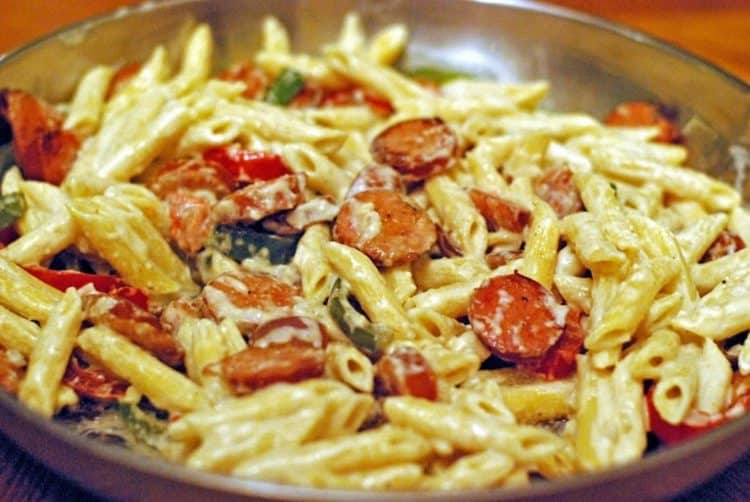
(112, 285)
(697, 423)
(247, 166)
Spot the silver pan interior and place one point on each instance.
(592, 66)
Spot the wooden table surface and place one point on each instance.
(717, 30)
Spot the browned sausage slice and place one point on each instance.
(642, 113)
(376, 177)
(385, 227)
(140, 326)
(560, 361)
(264, 198)
(290, 329)
(499, 212)
(248, 298)
(405, 372)
(417, 148)
(257, 367)
(555, 186)
(516, 317)
(317, 210)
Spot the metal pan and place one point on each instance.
(592, 66)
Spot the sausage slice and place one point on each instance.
(385, 227)
(555, 186)
(417, 148)
(500, 213)
(516, 317)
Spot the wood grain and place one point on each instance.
(717, 30)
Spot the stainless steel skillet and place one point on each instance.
(592, 65)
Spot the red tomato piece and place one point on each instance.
(93, 381)
(555, 186)
(385, 227)
(190, 216)
(641, 113)
(516, 317)
(499, 212)
(112, 285)
(247, 166)
(417, 148)
(697, 423)
(405, 372)
(43, 150)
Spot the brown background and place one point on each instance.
(717, 30)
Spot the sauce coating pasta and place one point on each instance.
(318, 270)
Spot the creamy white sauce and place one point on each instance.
(365, 220)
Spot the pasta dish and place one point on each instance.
(326, 271)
